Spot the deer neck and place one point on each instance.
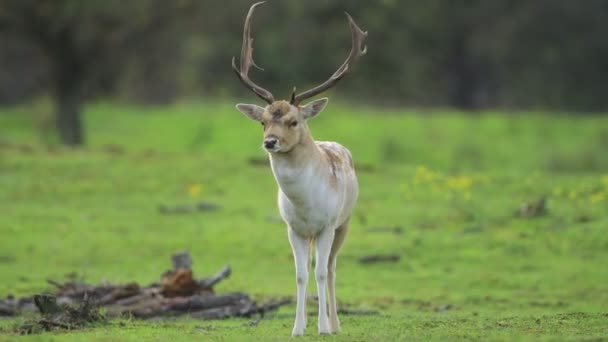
(295, 168)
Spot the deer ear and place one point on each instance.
(313, 108)
(251, 111)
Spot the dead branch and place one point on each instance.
(376, 258)
(219, 276)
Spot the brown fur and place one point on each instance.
(277, 117)
(337, 160)
(277, 110)
(334, 162)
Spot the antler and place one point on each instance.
(358, 49)
(247, 59)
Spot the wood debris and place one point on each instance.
(177, 293)
(535, 208)
(376, 258)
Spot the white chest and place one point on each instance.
(307, 202)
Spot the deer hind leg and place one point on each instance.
(334, 322)
(300, 247)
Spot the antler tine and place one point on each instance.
(247, 59)
(358, 49)
(293, 95)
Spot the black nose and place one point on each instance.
(270, 142)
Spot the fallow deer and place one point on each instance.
(317, 183)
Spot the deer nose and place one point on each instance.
(270, 142)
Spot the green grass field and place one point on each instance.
(451, 183)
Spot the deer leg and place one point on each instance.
(324, 242)
(300, 247)
(334, 322)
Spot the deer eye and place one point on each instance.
(263, 123)
(293, 124)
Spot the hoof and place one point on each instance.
(324, 330)
(334, 327)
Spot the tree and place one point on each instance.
(87, 43)
(464, 54)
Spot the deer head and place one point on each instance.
(285, 122)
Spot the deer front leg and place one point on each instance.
(324, 242)
(300, 247)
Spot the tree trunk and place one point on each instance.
(68, 116)
(463, 77)
(69, 75)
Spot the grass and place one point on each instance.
(449, 182)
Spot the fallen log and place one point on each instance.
(196, 303)
(74, 304)
(236, 310)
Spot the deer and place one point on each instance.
(317, 184)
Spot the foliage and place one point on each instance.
(474, 54)
(469, 268)
(87, 44)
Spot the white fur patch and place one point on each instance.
(307, 200)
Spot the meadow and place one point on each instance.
(442, 190)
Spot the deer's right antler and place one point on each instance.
(247, 60)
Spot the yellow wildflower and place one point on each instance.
(423, 174)
(597, 197)
(421, 169)
(195, 190)
(460, 182)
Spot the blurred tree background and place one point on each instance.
(475, 54)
